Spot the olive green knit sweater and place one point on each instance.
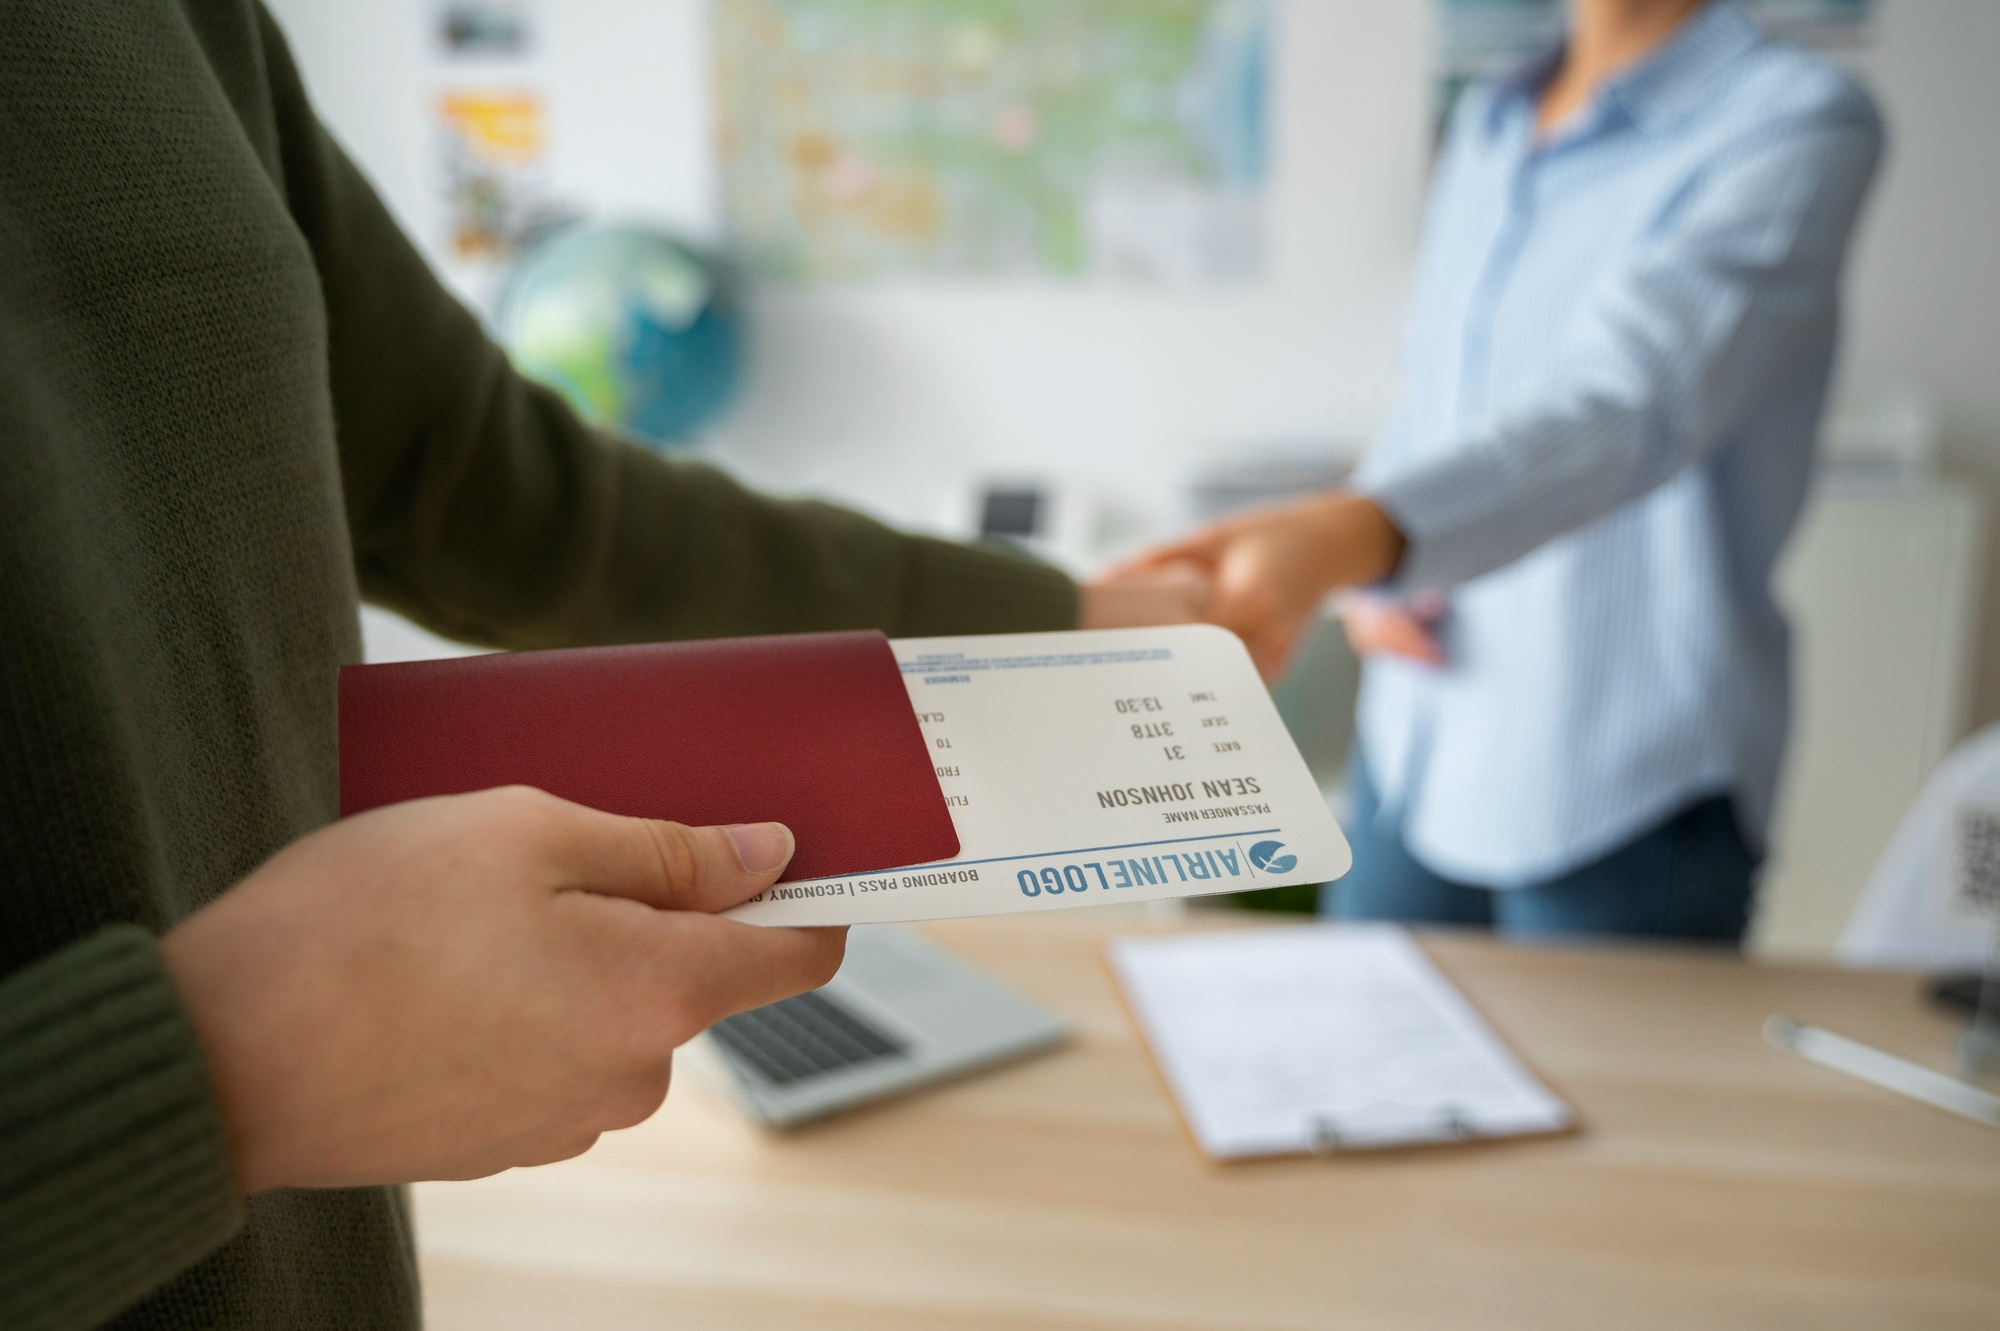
(232, 402)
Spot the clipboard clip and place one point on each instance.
(1328, 1137)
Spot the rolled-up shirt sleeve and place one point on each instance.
(1680, 343)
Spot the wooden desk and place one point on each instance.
(1718, 1184)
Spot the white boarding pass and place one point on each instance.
(1086, 768)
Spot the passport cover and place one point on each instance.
(811, 730)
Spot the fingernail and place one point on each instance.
(761, 846)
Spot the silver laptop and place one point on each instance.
(901, 1013)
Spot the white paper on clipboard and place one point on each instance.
(1319, 1038)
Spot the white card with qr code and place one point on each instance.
(1969, 889)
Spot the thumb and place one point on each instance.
(672, 866)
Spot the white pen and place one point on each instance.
(1884, 1070)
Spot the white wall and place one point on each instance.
(629, 115)
(1925, 295)
(881, 394)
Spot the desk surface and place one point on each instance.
(1717, 1183)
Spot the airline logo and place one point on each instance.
(1270, 857)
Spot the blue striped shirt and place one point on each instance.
(1613, 375)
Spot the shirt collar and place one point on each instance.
(1679, 77)
(1673, 81)
(1520, 86)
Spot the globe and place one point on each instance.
(634, 328)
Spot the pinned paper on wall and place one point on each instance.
(994, 138)
(494, 148)
(484, 28)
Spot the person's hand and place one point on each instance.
(451, 987)
(1168, 594)
(1378, 627)
(1271, 569)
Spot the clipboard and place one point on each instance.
(1323, 1040)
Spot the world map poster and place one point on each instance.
(1122, 140)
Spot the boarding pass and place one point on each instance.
(1086, 768)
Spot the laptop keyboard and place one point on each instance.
(798, 1038)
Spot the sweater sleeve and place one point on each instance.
(481, 506)
(114, 1165)
(1662, 364)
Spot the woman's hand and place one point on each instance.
(1379, 627)
(1271, 569)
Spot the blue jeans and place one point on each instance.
(1691, 877)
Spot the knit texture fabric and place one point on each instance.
(233, 401)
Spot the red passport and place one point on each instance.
(811, 730)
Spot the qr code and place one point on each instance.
(1975, 877)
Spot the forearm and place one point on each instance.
(114, 1166)
(1493, 501)
(678, 550)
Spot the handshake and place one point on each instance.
(1264, 575)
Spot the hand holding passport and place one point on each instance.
(813, 731)
(921, 779)
(451, 986)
